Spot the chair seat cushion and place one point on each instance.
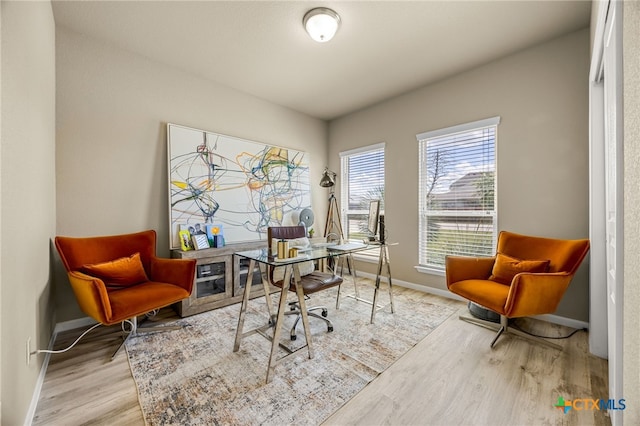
(314, 282)
(142, 298)
(490, 294)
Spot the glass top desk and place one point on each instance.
(291, 265)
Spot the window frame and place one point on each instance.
(368, 255)
(423, 209)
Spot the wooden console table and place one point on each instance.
(220, 277)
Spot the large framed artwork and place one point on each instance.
(242, 185)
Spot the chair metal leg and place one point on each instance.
(137, 329)
(503, 327)
(495, 339)
(534, 338)
(482, 323)
(310, 312)
(120, 346)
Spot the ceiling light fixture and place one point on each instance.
(321, 23)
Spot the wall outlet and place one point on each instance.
(28, 350)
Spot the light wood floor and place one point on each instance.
(452, 377)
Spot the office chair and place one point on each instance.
(312, 281)
(528, 276)
(117, 278)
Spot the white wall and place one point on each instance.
(111, 156)
(631, 88)
(542, 96)
(27, 178)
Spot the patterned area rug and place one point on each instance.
(193, 377)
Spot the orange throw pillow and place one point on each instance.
(123, 272)
(507, 267)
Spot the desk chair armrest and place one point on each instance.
(536, 294)
(173, 271)
(460, 268)
(92, 296)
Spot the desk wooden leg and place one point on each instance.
(278, 326)
(243, 306)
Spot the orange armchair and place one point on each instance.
(527, 276)
(117, 278)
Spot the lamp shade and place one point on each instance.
(328, 179)
(321, 23)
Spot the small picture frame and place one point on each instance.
(215, 234)
(200, 241)
(185, 240)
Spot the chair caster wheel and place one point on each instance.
(324, 313)
(329, 329)
(294, 337)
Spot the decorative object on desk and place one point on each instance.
(333, 224)
(303, 217)
(296, 257)
(215, 234)
(204, 382)
(200, 241)
(248, 186)
(283, 249)
(311, 232)
(185, 240)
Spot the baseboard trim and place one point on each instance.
(73, 324)
(38, 387)
(555, 319)
(59, 328)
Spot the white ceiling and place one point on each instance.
(381, 50)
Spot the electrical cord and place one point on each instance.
(59, 351)
(149, 314)
(549, 337)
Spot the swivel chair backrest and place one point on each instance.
(564, 255)
(76, 252)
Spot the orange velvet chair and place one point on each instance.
(527, 276)
(117, 278)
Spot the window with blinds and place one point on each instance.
(362, 172)
(457, 190)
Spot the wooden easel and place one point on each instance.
(331, 221)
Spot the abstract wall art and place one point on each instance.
(244, 185)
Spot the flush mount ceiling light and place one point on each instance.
(321, 23)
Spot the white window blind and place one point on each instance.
(457, 190)
(362, 172)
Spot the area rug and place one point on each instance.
(192, 376)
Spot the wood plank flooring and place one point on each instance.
(452, 377)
